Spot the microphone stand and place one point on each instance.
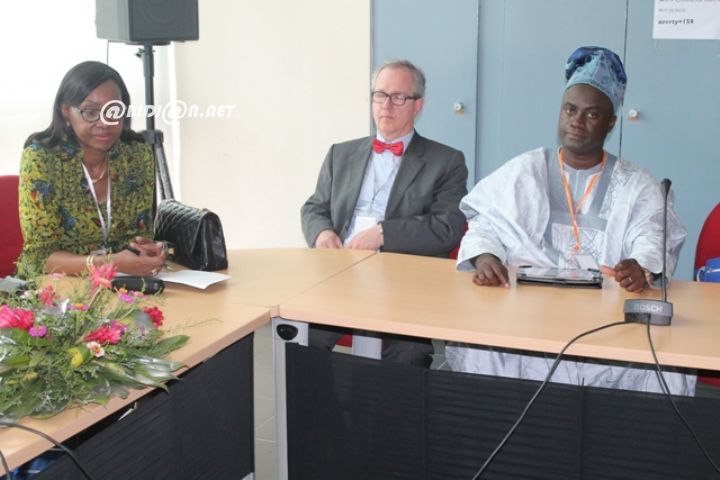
(663, 280)
(654, 312)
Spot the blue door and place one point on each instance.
(440, 37)
(673, 97)
(523, 48)
(504, 60)
(671, 116)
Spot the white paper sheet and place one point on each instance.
(193, 278)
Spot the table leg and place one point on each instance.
(284, 331)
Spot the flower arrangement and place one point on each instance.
(96, 342)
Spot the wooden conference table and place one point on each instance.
(212, 328)
(267, 277)
(427, 297)
(403, 294)
(215, 319)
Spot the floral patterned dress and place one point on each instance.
(57, 209)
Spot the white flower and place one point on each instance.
(95, 348)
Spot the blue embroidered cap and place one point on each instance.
(600, 68)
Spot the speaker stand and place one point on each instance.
(152, 136)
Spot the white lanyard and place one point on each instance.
(376, 189)
(105, 227)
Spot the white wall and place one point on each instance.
(297, 74)
(42, 40)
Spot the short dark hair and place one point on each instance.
(75, 86)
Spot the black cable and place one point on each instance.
(537, 393)
(4, 423)
(6, 467)
(666, 390)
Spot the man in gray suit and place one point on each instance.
(395, 192)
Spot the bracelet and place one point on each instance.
(90, 261)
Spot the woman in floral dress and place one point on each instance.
(87, 183)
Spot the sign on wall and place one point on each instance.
(687, 19)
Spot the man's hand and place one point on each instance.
(489, 271)
(370, 239)
(328, 239)
(629, 274)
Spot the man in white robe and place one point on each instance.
(564, 207)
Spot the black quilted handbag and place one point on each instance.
(196, 235)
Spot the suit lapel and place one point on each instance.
(413, 161)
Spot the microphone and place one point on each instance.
(655, 312)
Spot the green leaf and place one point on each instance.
(118, 390)
(18, 336)
(169, 344)
(36, 359)
(29, 402)
(16, 361)
(115, 372)
(14, 336)
(155, 374)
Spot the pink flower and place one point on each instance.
(101, 276)
(118, 325)
(16, 318)
(125, 296)
(109, 333)
(155, 315)
(38, 331)
(7, 317)
(47, 295)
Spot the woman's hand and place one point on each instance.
(143, 264)
(145, 246)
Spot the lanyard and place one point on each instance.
(105, 227)
(568, 196)
(376, 189)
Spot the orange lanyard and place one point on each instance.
(568, 196)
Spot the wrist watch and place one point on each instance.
(650, 277)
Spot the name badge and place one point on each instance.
(362, 222)
(586, 262)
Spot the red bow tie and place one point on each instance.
(396, 148)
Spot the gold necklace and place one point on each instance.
(95, 180)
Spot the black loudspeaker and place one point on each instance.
(147, 21)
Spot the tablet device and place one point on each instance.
(560, 277)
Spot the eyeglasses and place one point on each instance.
(92, 115)
(397, 99)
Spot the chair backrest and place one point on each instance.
(708, 245)
(11, 240)
(456, 250)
